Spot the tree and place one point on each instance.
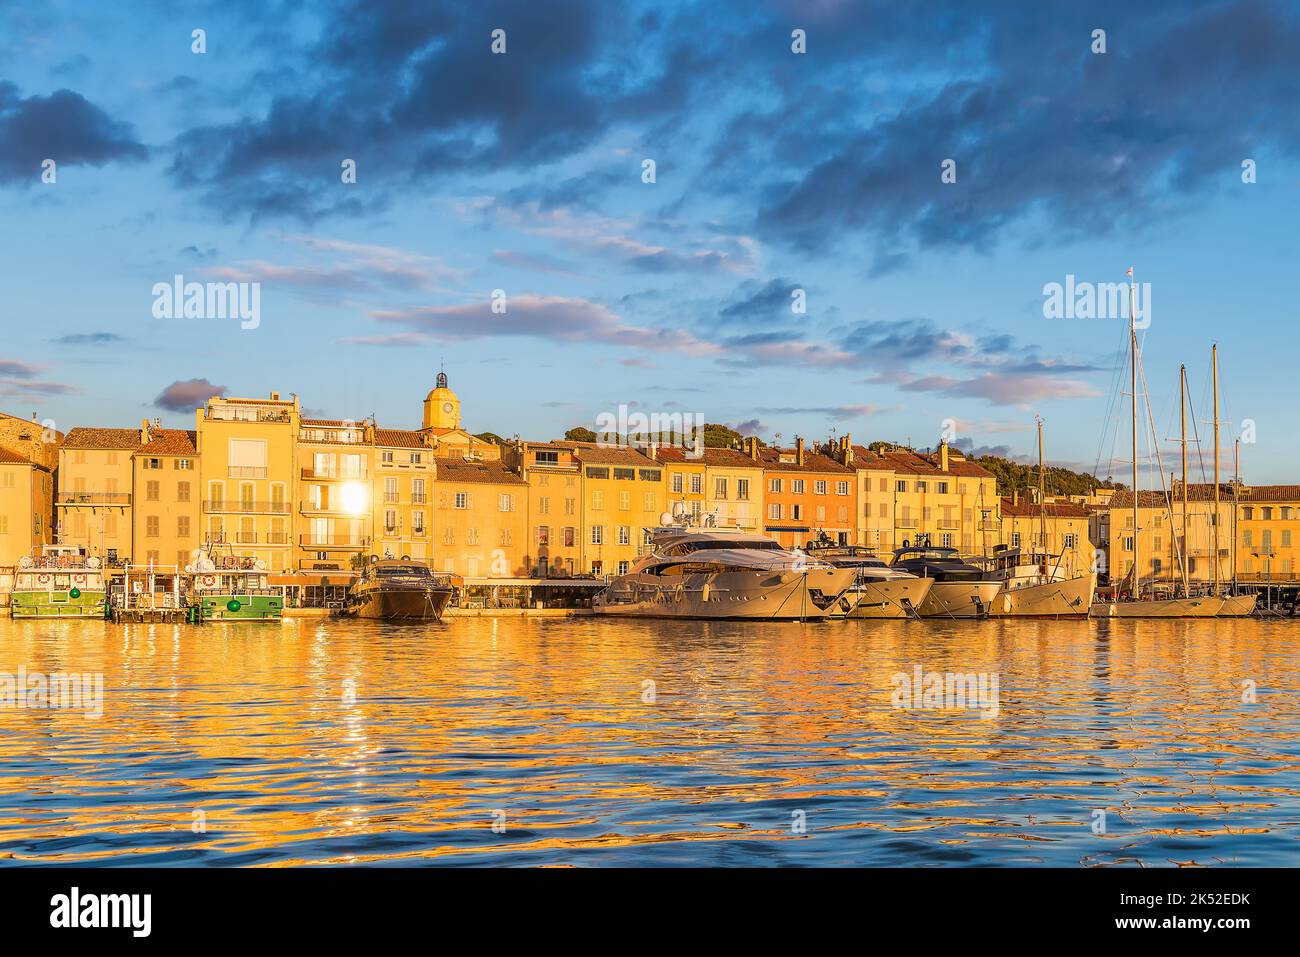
(491, 437)
(580, 434)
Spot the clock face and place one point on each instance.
(446, 407)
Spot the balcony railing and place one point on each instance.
(94, 498)
(277, 538)
(334, 541)
(334, 474)
(245, 538)
(246, 472)
(905, 523)
(989, 526)
(418, 499)
(949, 523)
(247, 508)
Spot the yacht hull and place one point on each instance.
(770, 596)
(963, 599)
(1205, 606)
(1069, 598)
(1238, 606)
(400, 604)
(888, 598)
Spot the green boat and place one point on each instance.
(232, 588)
(58, 581)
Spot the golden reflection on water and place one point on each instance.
(318, 741)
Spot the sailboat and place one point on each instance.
(1033, 583)
(1134, 605)
(1234, 606)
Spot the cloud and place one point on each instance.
(91, 339)
(63, 126)
(550, 318)
(16, 369)
(837, 412)
(536, 262)
(188, 394)
(998, 388)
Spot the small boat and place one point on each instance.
(58, 581)
(394, 589)
(232, 588)
(878, 591)
(709, 572)
(1035, 586)
(959, 590)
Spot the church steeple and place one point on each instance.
(441, 406)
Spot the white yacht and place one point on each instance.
(1036, 585)
(705, 572)
(878, 591)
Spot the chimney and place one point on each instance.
(652, 451)
(751, 446)
(1015, 495)
(144, 431)
(275, 397)
(943, 455)
(798, 450)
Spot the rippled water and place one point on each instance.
(548, 729)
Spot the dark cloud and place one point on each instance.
(188, 394)
(64, 127)
(91, 339)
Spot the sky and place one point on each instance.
(916, 178)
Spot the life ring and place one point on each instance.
(209, 580)
(79, 579)
(43, 579)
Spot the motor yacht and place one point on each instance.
(959, 590)
(878, 591)
(397, 590)
(706, 572)
(1036, 585)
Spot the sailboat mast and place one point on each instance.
(1214, 362)
(1042, 516)
(1133, 394)
(1182, 431)
(1236, 505)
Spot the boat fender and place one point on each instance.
(705, 590)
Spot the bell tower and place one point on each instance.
(441, 406)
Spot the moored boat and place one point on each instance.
(878, 591)
(1036, 586)
(397, 590)
(959, 589)
(232, 588)
(58, 581)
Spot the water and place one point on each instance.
(240, 744)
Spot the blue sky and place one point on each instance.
(774, 171)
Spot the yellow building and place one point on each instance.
(724, 483)
(941, 496)
(335, 499)
(95, 481)
(480, 522)
(165, 487)
(1058, 528)
(1268, 533)
(402, 493)
(248, 477)
(443, 428)
(554, 479)
(28, 458)
(622, 500)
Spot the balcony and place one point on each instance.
(905, 523)
(245, 538)
(949, 524)
(333, 541)
(246, 472)
(95, 498)
(990, 526)
(277, 538)
(332, 475)
(247, 508)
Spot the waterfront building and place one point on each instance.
(875, 505)
(166, 518)
(95, 481)
(402, 493)
(724, 483)
(1060, 528)
(944, 496)
(553, 477)
(622, 500)
(336, 503)
(249, 480)
(805, 494)
(28, 460)
(441, 424)
(480, 522)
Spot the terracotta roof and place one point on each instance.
(769, 459)
(492, 473)
(13, 458)
(1051, 509)
(399, 438)
(910, 462)
(589, 453)
(1149, 498)
(731, 458)
(109, 439)
(333, 423)
(171, 442)
(1270, 493)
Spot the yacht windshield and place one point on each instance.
(759, 545)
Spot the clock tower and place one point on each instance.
(441, 407)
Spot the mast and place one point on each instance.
(1236, 503)
(1133, 395)
(1182, 431)
(1214, 362)
(1042, 509)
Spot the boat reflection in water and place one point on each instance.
(878, 591)
(397, 590)
(724, 573)
(959, 590)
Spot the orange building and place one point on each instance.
(807, 494)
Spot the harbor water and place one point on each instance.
(623, 742)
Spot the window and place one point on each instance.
(941, 488)
(900, 486)
(796, 512)
(595, 473)
(390, 489)
(471, 536)
(462, 500)
(1128, 543)
(796, 486)
(841, 488)
(386, 458)
(597, 534)
(417, 523)
(719, 488)
(506, 502)
(1070, 540)
(946, 539)
(1246, 538)
(505, 538)
(417, 491)
(597, 501)
(543, 535)
(648, 504)
(622, 568)
(547, 458)
(247, 458)
(1267, 513)
(819, 487)
(185, 465)
(626, 475)
(183, 526)
(570, 535)
(624, 501)
(774, 485)
(151, 491)
(1015, 539)
(649, 475)
(153, 463)
(742, 489)
(1248, 513)
(920, 486)
(697, 483)
(151, 526)
(774, 511)
(417, 458)
(677, 482)
(624, 535)
(390, 521)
